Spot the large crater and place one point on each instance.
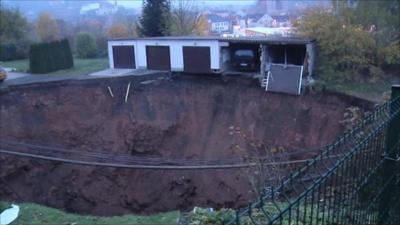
(180, 118)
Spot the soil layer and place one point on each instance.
(180, 118)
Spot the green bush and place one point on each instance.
(49, 57)
(355, 43)
(15, 35)
(345, 51)
(389, 56)
(8, 52)
(12, 51)
(85, 44)
(202, 216)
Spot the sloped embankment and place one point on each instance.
(185, 118)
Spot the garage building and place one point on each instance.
(280, 63)
(181, 54)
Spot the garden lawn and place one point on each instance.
(81, 66)
(34, 214)
(22, 65)
(370, 91)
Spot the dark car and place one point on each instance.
(244, 60)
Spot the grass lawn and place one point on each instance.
(33, 214)
(22, 65)
(81, 66)
(370, 91)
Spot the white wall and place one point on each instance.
(176, 50)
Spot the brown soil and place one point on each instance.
(180, 118)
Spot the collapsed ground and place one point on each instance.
(185, 117)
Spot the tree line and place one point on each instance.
(89, 36)
(176, 18)
(357, 40)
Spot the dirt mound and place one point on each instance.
(185, 118)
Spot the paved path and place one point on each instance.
(15, 75)
(16, 79)
(113, 72)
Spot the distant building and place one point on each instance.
(281, 20)
(237, 31)
(259, 20)
(219, 25)
(253, 18)
(103, 8)
(269, 31)
(265, 20)
(89, 7)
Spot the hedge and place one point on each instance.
(51, 56)
(9, 52)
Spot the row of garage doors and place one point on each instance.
(195, 59)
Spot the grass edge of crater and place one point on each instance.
(35, 214)
(81, 66)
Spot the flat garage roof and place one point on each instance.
(258, 40)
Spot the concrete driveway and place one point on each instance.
(15, 75)
(16, 79)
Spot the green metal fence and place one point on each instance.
(362, 186)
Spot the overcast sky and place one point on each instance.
(126, 3)
(138, 3)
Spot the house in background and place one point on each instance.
(219, 24)
(279, 63)
(252, 19)
(99, 9)
(282, 20)
(269, 31)
(265, 21)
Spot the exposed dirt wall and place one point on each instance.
(180, 118)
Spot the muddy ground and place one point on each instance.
(179, 118)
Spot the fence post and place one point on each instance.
(393, 134)
(389, 166)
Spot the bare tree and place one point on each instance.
(266, 171)
(185, 18)
(47, 28)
